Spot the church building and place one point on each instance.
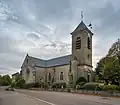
(67, 68)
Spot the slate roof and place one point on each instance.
(80, 27)
(37, 62)
(58, 61)
(51, 62)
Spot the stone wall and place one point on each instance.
(58, 70)
(42, 74)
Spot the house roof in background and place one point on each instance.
(15, 74)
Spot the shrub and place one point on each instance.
(90, 86)
(13, 84)
(82, 83)
(20, 83)
(27, 86)
(68, 90)
(81, 79)
(99, 88)
(45, 85)
(58, 85)
(110, 88)
(119, 88)
(36, 85)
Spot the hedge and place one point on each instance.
(58, 85)
(90, 86)
(109, 87)
(82, 83)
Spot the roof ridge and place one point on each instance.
(59, 57)
(36, 58)
(49, 59)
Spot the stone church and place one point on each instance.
(66, 68)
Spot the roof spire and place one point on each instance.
(81, 15)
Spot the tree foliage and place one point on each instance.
(20, 83)
(115, 49)
(5, 80)
(108, 68)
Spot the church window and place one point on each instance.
(49, 76)
(34, 73)
(78, 43)
(88, 77)
(88, 43)
(28, 70)
(61, 76)
(88, 56)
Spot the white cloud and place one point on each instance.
(42, 28)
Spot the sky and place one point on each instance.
(42, 28)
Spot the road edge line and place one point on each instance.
(38, 99)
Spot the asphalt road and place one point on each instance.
(27, 97)
(13, 98)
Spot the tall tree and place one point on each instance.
(115, 50)
(108, 68)
(5, 80)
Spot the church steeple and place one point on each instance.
(82, 44)
(82, 26)
(82, 51)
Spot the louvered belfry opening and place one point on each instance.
(88, 43)
(78, 43)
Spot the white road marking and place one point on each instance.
(38, 99)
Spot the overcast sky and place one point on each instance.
(42, 28)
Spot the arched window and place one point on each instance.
(61, 76)
(88, 43)
(49, 76)
(88, 56)
(34, 73)
(88, 77)
(27, 70)
(78, 43)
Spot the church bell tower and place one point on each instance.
(82, 52)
